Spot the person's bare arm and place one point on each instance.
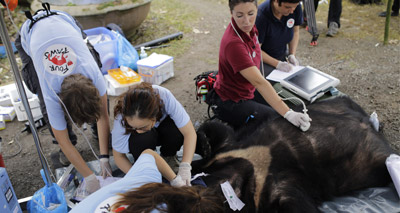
(189, 142)
(162, 166)
(253, 75)
(267, 59)
(103, 126)
(295, 41)
(71, 153)
(122, 161)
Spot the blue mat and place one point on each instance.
(3, 52)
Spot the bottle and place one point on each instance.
(143, 53)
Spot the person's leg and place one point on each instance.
(139, 142)
(335, 11)
(170, 138)
(238, 114)
(395, 8)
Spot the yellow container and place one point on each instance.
(124, 76)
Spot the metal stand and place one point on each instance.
(10, 54)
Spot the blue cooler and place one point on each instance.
(105, 42)
(8, 199)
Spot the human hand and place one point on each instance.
(293, 60)
(284, 66)
(105, 168)
(184, 172)
(298, 119)
(177, 181)
(91, 184)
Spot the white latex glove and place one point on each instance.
(91, 184)
(298, 119)
(284, 66)
(105, 168)
(184, 172)
(293, 60)
(177, 181)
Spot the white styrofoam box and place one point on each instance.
(156, 68)
(8, 113)
(2, 122)
(5, 99)
(114, 88)
(19, 107)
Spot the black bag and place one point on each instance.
(204, 84)
(205, 89)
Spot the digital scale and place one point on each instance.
(309, 83)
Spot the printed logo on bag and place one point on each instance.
(290, 23)
(59, 59)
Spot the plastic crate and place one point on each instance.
(156, 68)
(19, 107)
(106, 44)
(114, 88)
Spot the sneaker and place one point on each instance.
(173, 162)
(63, 159)
(333, 29)
(383, 14)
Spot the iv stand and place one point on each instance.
(10, 54)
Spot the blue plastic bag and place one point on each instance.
(48, 199)
(126, 54)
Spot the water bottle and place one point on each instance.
(143, 53)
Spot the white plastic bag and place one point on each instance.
(393, 166)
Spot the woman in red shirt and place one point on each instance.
(239, 75)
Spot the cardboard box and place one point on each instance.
(156, 68)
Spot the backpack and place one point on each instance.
(205, 90)
(204, 84)
(28, 70)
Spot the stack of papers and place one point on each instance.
(278, 76)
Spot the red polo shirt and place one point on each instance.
(235, 56)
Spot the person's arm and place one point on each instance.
(189, 142)
(162, 166)
(71, 153)
(122, 161)
(268, 59)
(253, 75)
(295, 41)
(103, 126)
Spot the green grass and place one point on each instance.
(361, 21)
(167, 17)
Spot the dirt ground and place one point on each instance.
(368, 70)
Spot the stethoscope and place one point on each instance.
(254, 52)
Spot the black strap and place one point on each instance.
(46, 7)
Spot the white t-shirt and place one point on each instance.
(57, 49)
(172, 108)
(142, 172)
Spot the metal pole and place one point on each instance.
(10, 54)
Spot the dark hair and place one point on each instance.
(81, 98)
(287, 1)
(140, 101)
(233, 3)
(191, 199)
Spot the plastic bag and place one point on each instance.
(48, 199)
(126, 54)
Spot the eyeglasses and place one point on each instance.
(142, 129)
